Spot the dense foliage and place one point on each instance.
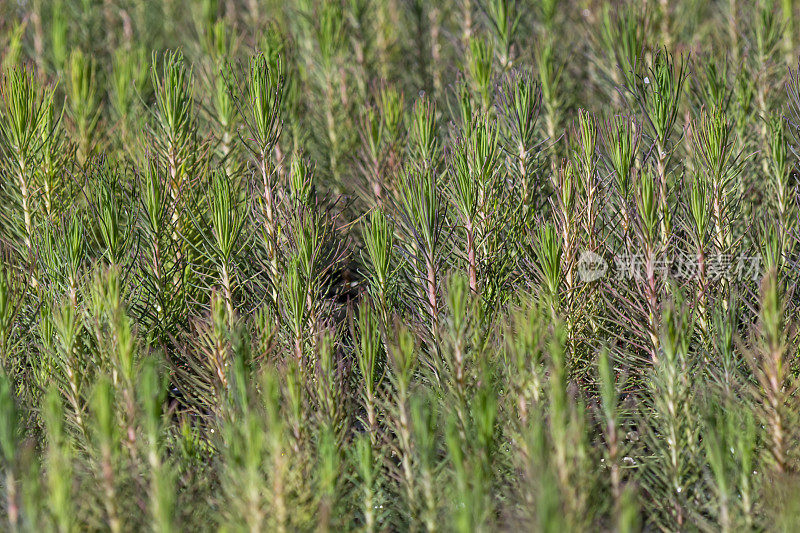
(393, 265)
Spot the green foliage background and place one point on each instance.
(321, 265)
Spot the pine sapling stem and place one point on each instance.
(11, 500)
(661, 168)
(108, 490)
(473, 270)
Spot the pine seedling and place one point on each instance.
(327, 480)
(745, 450)
(379, 238)
(665, 26)
(526, 336)
(152, 392)
(620, 137)
(722, 166)
(381, 132)
(359, 16)
(24, 105)
(780, 187)
(423, 135)
(84, 102)
(550, 72)
(548, 13)
(787, 13)
(467, 113)
(473, 465)
(115, 342)
(466, 507)
(384, 37)
(711, 85)
(12, 46)
(564, 204)
(279, 454)
(423, 210)
(647, 225)
(330, 35)
(302, 191)
(700, 213)
(421, 206)
(372, 139)
(729, 442)
(107, 447)
(328, 385)
(46, 337)
(60, 254)
(265, 331)
(484, 425)
(294, 306)
(244, 450)
(391, 108)
(612, 427)
(175, 127)
(659, 92)
(434, 26)
(369, 483)
(32, 494)
(647, 209)
(111, 210)
(59, 36)
(296, 398)
(768, 362)
(221, 227)
(57, 160)
(404, 358)
(543, 507)
(159, 263)
(220, 47)
(479, 71)
(670, 405)
(729, 361)
(504, 17)
(548, 251)
(566, 429)
(260, 111)
(474, 172)
(201, 372)
(371, 365)
(462, 341)
(128, 87)
(488, 211)
(769, 241)
(423, 423)
(586, 166)
(520, 100)
(768, 33)
(59, 458)
(623, 35)
(313, 249)
(700, 229)
(744, 110)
